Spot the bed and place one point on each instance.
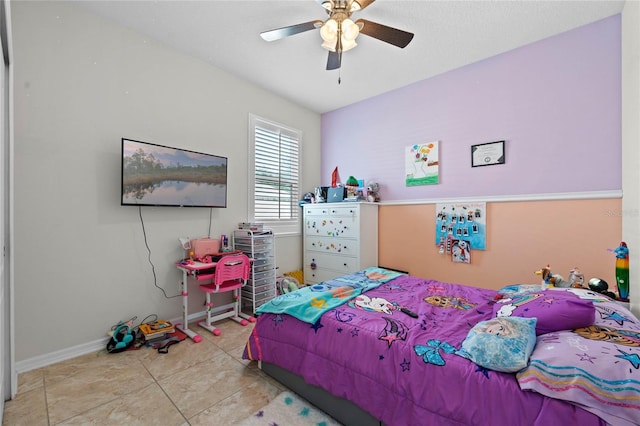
(380, 347)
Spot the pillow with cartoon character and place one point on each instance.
(594, 367)
(555, 310)
(515, 289)
(501, 344)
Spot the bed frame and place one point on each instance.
(344, 411)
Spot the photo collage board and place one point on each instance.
(461, 228)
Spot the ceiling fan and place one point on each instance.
(339, 32)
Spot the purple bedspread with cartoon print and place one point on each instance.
(404, 370)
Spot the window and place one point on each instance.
(274, 175)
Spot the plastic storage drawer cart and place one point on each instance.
(259, 246)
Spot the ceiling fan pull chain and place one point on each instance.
(339, 80)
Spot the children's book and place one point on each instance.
(155, 329)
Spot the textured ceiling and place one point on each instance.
(448, 35)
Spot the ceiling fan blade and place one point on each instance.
(384, 33)
(283, 32)
(334, 60)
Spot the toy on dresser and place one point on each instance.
(373, 195)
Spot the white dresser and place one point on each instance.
(339, 238)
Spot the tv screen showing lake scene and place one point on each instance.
(156, 175)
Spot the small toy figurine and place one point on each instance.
(576, 278)
(622, 271)
(352, 187)
(334, 178)
(549, 279)
(372, 192)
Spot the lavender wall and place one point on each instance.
(556, 102)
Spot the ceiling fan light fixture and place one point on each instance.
(355, 6)
(348, 44)
(330, 44)
(329, 30)
(327, 4)
(349, 30)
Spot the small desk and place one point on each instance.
(200, 272)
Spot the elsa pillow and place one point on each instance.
(501, 344)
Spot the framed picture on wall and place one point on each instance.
(421, 164)
(487, 154)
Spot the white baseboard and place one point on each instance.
(61, 355)
(76, 351)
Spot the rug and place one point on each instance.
(288, 409)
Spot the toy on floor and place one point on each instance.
(123, 337)
(286, 284)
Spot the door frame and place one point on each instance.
(8, 375)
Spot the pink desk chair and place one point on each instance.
(231, 273)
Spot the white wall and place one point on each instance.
(82, 83)
(630, 146)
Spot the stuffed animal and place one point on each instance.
(549, 279)
(372, 192)
(576, 278)
(352, 187)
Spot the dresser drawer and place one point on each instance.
(330, 210)
(341, 227)
(312, 276)
(338, 263)
(344, 246)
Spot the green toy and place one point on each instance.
(622, 271)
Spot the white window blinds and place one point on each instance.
(275, 167)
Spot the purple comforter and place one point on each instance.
(404, 370)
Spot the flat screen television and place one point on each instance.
(157, 175)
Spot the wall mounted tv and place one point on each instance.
(157, 175)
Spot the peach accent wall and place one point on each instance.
(521, 238)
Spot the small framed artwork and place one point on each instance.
(487, 154)
(421, 164)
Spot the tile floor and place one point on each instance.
(206, 383)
